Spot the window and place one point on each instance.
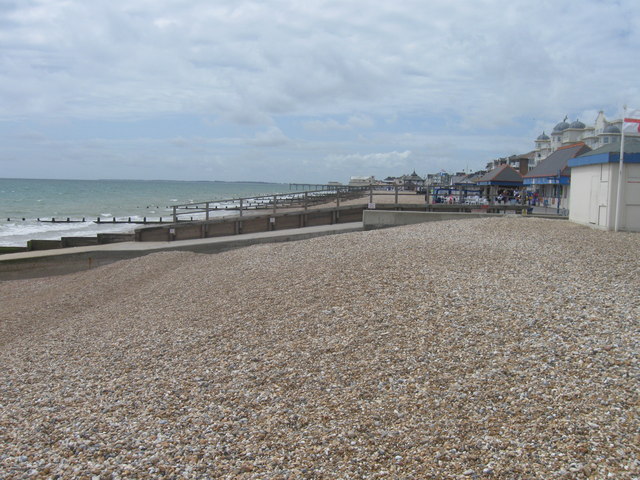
(606, 139)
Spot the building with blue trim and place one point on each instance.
(594, 186)
(503, 181)
(551, 178)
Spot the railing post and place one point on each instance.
(275, 201)
(337, 197)
(396, 189)
(305, 201)
(175, 215)
(207, 213)
(240, 207)
(370, 193)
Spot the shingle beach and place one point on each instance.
(498, 348)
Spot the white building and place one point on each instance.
(361, 181)
(602, 132)
(594, 187)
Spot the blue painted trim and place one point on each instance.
(609, 157)
(553, 180)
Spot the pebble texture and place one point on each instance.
(498, 348)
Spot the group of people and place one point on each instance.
(506, 196)
(515, 197)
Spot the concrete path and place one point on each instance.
(68, 260)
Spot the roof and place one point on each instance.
(610, 153)
(474, 177)
(543, 137)
(562, 126)
(413, 176)
(461, 179)
(503, 175)
(558, 161)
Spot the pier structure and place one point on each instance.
(298, 199)
(315, 186)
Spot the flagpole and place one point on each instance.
(620, 175)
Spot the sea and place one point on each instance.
(27, 204)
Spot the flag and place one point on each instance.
(631, 122)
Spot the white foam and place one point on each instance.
(19, 233)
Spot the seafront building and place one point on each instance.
(594, 191)
(362, 181)
(543, 175)
(602, 132)
(551, 178)
(412, 181)
(500, 183)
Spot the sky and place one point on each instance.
(300, 91)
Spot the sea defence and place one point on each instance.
(307, 218)
(62, 257)
(62, 261)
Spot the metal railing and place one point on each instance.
(302, 200)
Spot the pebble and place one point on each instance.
(507, 346)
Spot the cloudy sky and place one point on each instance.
(300, 91)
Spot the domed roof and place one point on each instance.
(544, 136)
(577, 124)
(611, 129)
(562, 126)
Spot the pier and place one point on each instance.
(299, 199)
(315, 186)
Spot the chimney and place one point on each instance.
(524, 166)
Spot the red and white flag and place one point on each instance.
(631, 122)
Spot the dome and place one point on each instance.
(562, 126)
(577, 124)
(611, 129)
(544, 136)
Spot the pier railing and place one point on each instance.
(324, 195)
(329, 195)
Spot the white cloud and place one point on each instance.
(358, 121)
(489, 72)
(369, 161)
(272, 137)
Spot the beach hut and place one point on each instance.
(594, 187)
(501, 183)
